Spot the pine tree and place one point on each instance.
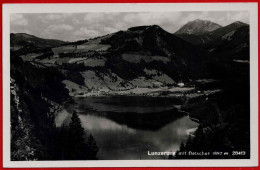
(92, 146)
(182, 147)
(78, 149)
(199, 140)
(75, 128)
(178, 153)
(188, 146)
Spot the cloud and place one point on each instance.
(152, 18)
(239, 16)
(58, 28)
(46, 18)
(75, 26)
(18, 19)
(57, 31)
(111, 22)
(75, 21)
(53, 16)
(110, 30)
(84, 33)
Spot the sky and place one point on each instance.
(79, 26)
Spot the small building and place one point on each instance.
(181, 84)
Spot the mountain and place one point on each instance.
(145, 56)
(227, 29)
(20, 40)
(233, 45)
(198, 27)
(153, 41)
(210, 36)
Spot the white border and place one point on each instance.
(133, 7)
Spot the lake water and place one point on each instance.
(129, 127)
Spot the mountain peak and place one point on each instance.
(198, 26)
(142, 28)
(239, 23)
(229, 28)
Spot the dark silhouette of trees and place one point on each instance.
(34, 134)
(93, 147)
(75, 128)
(73, 142)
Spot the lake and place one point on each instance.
(129, 127)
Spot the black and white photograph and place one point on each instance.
(121, 85)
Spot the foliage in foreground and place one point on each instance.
(36, 94)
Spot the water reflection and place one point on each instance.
(119, 139)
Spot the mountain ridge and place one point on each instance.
(25, 39)
(210, 36)
(198, 27)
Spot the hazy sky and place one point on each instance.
(78, 26)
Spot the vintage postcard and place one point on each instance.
(130, 85)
